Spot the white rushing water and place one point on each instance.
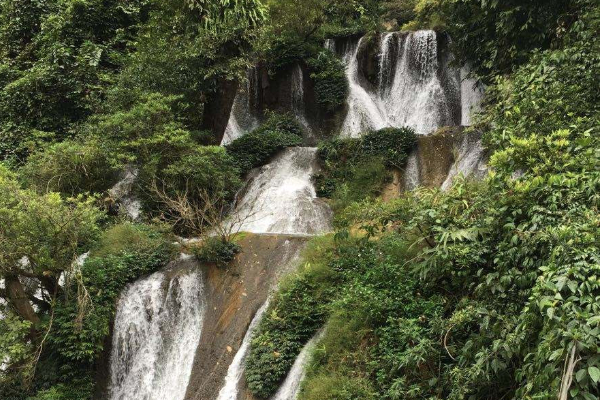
(122, 193)
(290, 388)
(156, 333)
(281, 198)
(298, 102)
(471, 94)
(411, 175)
(414, 89)
(364, 110)
(235, 373)
(243, 118)
(470, 160)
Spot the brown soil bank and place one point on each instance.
(233, 296)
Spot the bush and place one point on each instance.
(496, 37)
(392, 144)
(217, 250)
(354, 169)
(331, 85)
(257, 147)
(207, 168)
(70, 167)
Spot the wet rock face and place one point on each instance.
(368, 61)
(216, 110)
(439, 158)
(233, 298)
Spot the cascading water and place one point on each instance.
(122, 193)
(411, 176)
(157, 329)
(470, 161)
(298, 105)
(290, 388)
(364, 111)
(243, 117)
(416, 87)
(282, 199)
(471, 94)
(230, 389)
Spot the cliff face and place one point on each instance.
(439, 158)
(233, 297)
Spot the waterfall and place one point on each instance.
(230, 389)
(282, 199)
(471, 95)
(297, 100)
(470, 160)
(243, 117)
(411, 175)
(122, 193)
(157, 329)
(363, 108)
(290, 388)
(415, 88)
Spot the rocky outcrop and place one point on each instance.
(233, 297)
(437, 159)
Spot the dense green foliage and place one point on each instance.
(57, 60)
(496, 36)
(70, 167)
(328, 74)
(355, 169)
(217, 250)
(489, 290)
(256, 148)
(486, 291)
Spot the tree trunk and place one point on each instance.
(19, 299)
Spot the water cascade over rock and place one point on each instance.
(298, 101)
(234, 377)
(281, 197)
(290, 388)
(122, 194)
(471, 94)
(470, 161)
(157, 329)
(243, 117)
(416, 86)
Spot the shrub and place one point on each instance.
(217, 250)
(392, 144)
(257, 147)
(331, 85)
(354, 169)
(129, 237)
(70, 167)
(296, 313)
(207, 168)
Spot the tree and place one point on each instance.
(40, 238)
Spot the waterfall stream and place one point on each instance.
(290, 388)
(471, 94)
(281, 199)
(470, 160)
(230, 389)
(242, 118)
(157, 329)
(410, 92)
